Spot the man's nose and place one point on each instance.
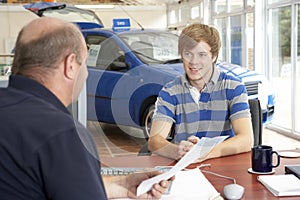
(194, 60)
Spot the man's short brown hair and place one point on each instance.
(195, 33)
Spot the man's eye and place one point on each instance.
(188, 54)
(202, 54)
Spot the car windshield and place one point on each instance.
(153, 47)
(73, 15)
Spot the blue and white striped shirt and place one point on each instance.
(222, 100)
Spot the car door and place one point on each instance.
(110, 81)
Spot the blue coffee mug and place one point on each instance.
(262, 158)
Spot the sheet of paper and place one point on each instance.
(199, 150)
(281, 185)
(191, 184)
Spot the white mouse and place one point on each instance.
(233, 191)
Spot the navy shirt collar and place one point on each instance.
(36, 89)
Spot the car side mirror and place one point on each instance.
(119, 66)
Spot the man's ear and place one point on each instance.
(70, 66)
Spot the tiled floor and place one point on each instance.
(112, 141)
(116, 141)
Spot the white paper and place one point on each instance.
(199, 150)
(191, 184)
(281, 185)
(93, 55)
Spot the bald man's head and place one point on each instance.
(42, 44)
(40, 27)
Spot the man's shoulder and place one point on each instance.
(177, 81)
(10, 96)
(31, 109)
(228, 77)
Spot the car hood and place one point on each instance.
(242, 73)
(172, 69)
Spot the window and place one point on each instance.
(221, 24)
(195, 12)
(297, 74)
(236, 27)
(236, 5)
(236, 39)
(104, 53)
(250, 40)
(280, 62)
(220, 6)
(172, 17)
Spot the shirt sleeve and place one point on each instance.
(239, 107)
(164, 107)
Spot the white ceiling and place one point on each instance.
(148, 2)
(123, 2)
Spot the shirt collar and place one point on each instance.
(215, 76)
(36, 89)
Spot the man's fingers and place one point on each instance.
(193, 139)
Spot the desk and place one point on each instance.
(235, 166)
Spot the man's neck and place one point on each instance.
(199, 84)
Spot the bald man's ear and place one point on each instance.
(70, 66)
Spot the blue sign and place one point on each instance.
(121, 24)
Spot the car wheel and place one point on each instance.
(147, 120)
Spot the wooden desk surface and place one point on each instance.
(235, 166)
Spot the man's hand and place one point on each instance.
(133, 181)
(126, 186)
(186, 145)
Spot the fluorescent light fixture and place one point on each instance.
(103, 6)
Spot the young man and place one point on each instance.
(202, 102)
(45, 153)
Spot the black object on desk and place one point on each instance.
(292, 169)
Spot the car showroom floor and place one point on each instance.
(114, 141)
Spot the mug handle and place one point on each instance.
(278, 158)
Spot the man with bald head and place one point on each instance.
(45, 153)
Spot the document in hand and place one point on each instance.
(199, 150)
(281, 185)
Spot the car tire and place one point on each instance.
(147, 120)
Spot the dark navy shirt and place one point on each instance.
(44, 152)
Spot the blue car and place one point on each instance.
(128, 68)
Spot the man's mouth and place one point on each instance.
(193, 69)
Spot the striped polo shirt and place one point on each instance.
(207, 113)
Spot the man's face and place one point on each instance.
(198, 62)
